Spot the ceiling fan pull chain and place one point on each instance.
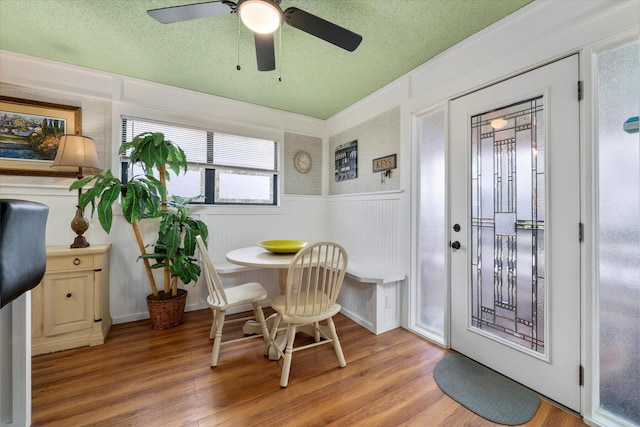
(238, 63)
(280, 53)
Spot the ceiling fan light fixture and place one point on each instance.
(260, 16)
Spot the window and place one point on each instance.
(432, 285)
(223, 168)
(618, 221)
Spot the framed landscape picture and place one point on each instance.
(30, 133)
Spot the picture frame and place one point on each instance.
(346, 161)
(28, 133)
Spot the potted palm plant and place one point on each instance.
(144, 197)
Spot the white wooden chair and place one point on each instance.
(314, 279)
(221, 299)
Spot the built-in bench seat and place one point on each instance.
(225, 267)
(370, 295)
(365, 272)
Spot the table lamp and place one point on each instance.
(78, 151)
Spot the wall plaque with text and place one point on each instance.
(385, 163)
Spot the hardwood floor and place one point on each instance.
(142, 377)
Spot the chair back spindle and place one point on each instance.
(220, 301)
(214, 284)
(314, 279)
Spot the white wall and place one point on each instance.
(552, 30)
(375, 225)
(295, 182)
(104, 98)
(377, 137)
(537, 34)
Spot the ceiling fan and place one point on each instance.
(262, 17)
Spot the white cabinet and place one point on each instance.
(70, 307)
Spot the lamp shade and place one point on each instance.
(260, 16)
(77, 151)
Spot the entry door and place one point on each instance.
(515, 261)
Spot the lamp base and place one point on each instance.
(79, 225)
(79, 242)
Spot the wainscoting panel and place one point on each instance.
(374, 306)
(358, 301)
(299, 217)
(229, 228)
(370, 227)
(367, 226)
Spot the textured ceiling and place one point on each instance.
(318, 79)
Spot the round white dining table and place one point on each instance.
(257, 257)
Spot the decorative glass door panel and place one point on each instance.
(507, 223)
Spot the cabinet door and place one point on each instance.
(70, 306)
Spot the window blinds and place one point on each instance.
(210, 147)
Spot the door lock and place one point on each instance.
(455, 245)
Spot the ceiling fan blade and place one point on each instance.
(265, 53)
(168, 15)
(320, 28)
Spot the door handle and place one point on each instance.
(455, 245)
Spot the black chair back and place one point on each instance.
(23, 255)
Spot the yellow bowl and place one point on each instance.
(282, 246)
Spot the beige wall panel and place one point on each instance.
(309, 183)
(377, 137)
(96, 124)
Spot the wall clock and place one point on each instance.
(302, 161)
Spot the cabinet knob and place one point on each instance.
(76, 261)
(69, 295)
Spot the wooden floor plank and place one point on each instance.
(142, 377)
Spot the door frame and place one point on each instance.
(551, 257)
(587, 30)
